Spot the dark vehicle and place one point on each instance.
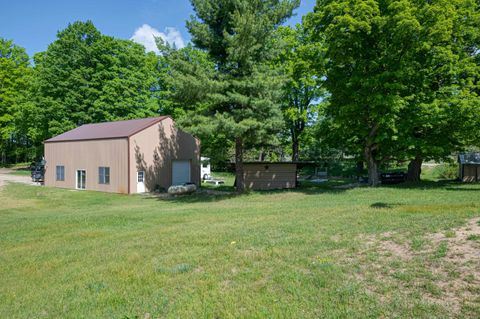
(38, 173)
(393, 178)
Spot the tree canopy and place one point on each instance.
(386, 61)
(14, 84)
(87, 77)
(301, 61)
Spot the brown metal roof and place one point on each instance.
(107, 130)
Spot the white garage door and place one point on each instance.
(180, 172)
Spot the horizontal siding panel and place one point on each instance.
(260, 175)
(269, 185)
(270, 176)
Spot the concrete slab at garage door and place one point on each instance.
(181, 172)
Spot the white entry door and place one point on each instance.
(181, 172)
(140, 182)
(81, 178)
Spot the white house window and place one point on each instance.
(140, 176)
(104, 175)
(60, 173)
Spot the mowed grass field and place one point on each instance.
(404, 252)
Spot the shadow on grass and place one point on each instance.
(445, 184)
(382, 205)
(227, 192)
(199, 197)
(210, 194)
(476, 189)
(222, 188)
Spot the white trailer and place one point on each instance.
(205, 172)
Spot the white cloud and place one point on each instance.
(146, 35)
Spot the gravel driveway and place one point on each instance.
(6, 176)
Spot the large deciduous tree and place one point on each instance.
(15, 74)
(387, 66)
(242, 94)
(301, 61)
(442, 115)
(86, 77)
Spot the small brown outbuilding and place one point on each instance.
(132, 156)
(270, 175)
(469, 167)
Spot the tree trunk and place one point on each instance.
(262, 156)
(415, 169)
(295, 148)
(239, 177)
(372, 165)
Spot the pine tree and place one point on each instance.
(183, 74)
(243, 92)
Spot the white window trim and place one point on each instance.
(143, 181)
(56, 173)
(76, 179)
(104, 175)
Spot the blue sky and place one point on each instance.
(33, 24)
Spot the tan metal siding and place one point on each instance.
(270, 176)
(153, 149)
(88, 155)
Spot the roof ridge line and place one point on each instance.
(120, 129)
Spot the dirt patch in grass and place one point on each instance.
(445, 271)
(401, 251)
(462, 244)
(459, 270)
(386, 246)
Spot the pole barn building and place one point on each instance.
(132, 156)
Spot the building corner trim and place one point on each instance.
(128, 164)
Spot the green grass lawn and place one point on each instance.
(21, 172)
(228, 178)
(315, 252)
(17, 165)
